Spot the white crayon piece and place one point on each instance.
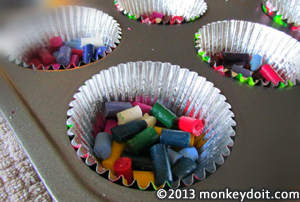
(96, 41)
(151, 120)
(131, 114)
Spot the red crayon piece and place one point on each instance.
(110, 124)
(36, 62)
(77, 52)
(74, 59)
(269, 74)
(46, 57)
(55, 43)
(145, 108)
(123, 166)
(192, 125)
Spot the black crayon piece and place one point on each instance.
(139, 161)
(183, 167)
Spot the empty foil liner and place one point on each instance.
(174, 11)
(71, 23)
(180, 90)
(284, 12)
(277, 49)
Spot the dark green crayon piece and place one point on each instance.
(163, 114)
(183, 167)
(124, 132)
(143, 140)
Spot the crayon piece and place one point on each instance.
(64, 55)
(88, 53)
(190, 152)
(116, 152)
(74, 59)
(215, 61)
(255, 62)
(131, 114)
(95, 41)
(123, 166)
(192, 125)
(183, 167)
(143, 178)
(245, 72)
(163, 115)
(73, 44)
(46, 57)
(269, 74)
(143, 140)
(111, 123)
(175, 138)
(55, 43)
(173, 156)
(139, 161)
(145, 108)
(151, 120)
(124, 132)
(101, 52)
(229, 57)
(78, 52)
(161, 164)
(158, 130)
(55, 54)
(102, 146)
(36, 62)
(112, 108)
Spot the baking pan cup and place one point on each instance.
(180, 90)
(71, 23)
(275, 47)
(284, 12)
(162, 11)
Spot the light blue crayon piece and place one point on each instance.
(64, 55)
(173, 156)
(55, 54)
(102, 146)
(73, 44)
(190, 152)
(256, 62)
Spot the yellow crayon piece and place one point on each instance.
(158, 130)
(116, 152)
(143, 178)
(198, 138)
(192, 140)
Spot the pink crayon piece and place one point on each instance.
(145, 108)
(55, 43)
(75, 59)
(157, 15)
(111, 123)
(55, 66)
(192, 125)
(46, 57)
(269, 74)
(36, 62)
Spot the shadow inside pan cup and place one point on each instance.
(176, 89)
(63, 37)
(250, 52)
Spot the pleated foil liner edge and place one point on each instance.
(277, 48)
(68, 22)
(175, 87)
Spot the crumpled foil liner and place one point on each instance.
(182, 91)
(277, 48)
(68, 22)
(188, 9)
(284, 12)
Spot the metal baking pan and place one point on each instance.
(267, 133)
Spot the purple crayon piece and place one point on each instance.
(145, 108)
(245, 72)
(111, 123)
(102, 146)
(173, 156)
(161, 165)
(75, 59)
(235, 57)
(55, 54)
(175, 138)
(64, 55)
(190, 152)
(183, 168)
(112, 108)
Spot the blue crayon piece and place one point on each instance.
(245, 72)
(112, 108)
(190, 152)
(183, 168)
(100, 51)
(175, 138)
(88, 53)
(161, 164)
(102, 146)
(55, 54)
(72, 44)
(64, 55)
(173, 156)
(255, 62)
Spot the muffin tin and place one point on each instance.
(266, 146)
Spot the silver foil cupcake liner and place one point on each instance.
(277, 48)
(68, 22)
(189, 10)
(284, 12)
(180, 90)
